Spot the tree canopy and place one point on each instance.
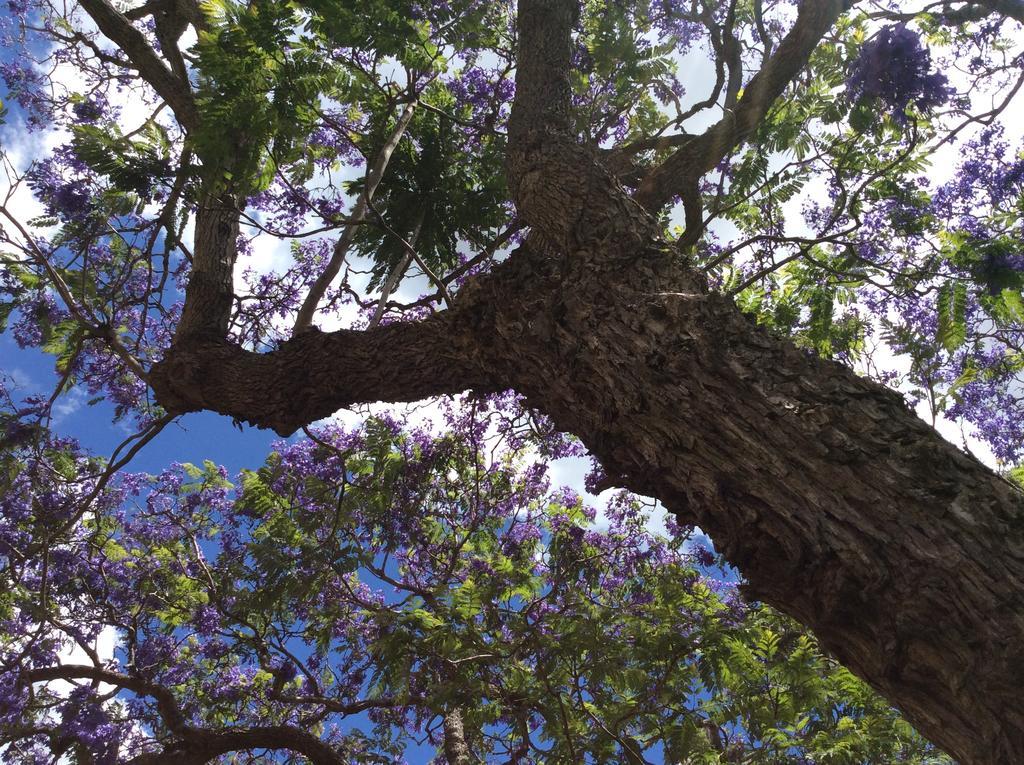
(370, 594)
(721, 247)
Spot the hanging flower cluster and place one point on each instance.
(896, 69)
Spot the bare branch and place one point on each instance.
(133, 44)
(397, 273)
(304, 320)
(697, 157)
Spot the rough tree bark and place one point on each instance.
(456, 750)
(842, 508)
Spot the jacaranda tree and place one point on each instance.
(701, 237)
(367, 589)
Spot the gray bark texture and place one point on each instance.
(456, 750)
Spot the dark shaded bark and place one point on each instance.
(840, 506)
(202, 746)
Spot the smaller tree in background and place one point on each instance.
(366, 590)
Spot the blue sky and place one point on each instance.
(191, 438)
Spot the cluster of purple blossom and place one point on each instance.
(896, 69)
(973, 221)
(180, 563)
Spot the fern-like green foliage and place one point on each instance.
(432, 187)
(261, 82)
(134, 165)
(952, 325)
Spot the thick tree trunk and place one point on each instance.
(210, 294)
(839, 505)
(456, 750)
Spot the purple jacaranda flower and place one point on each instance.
(895, 68)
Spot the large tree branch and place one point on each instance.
(132, 43)
(968, 12)
(543, 61)
(191, 745)
(561, 189)
(841, 507)
(314, 374)
(167, 705)
(202, 746)
(1014, 9)
(701, 154)
(209, 296)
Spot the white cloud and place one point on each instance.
(269, 253)
(22, 147)
(68, 404)
(72, 653)
(20, 378)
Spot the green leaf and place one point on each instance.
(952, 314)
